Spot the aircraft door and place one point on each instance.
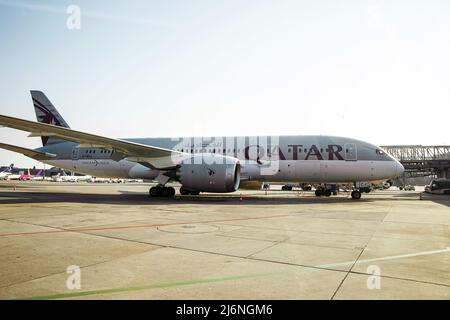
(75, 153)
(350, 151)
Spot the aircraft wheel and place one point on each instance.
(161, 192)
(155, 191)
(183, 191)
(318, 192)
(356, 195)
(171, 191)
(165, 192)
(327, 192)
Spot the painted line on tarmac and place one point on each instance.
(408, 255)
(136, 226)
(145, 287)
(204, 281)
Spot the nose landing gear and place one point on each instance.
(356, 194)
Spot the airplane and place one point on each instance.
(20, 176)
(7, 172)
(39, 176)
(200, 164)
(28, 176)
(64, 177)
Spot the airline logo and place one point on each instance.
(332, 152)
(45, 116)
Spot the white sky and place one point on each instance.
(373, 70)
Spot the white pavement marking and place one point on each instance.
(423, 253)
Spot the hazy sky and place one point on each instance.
(373, 70)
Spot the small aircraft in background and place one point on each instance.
(39, 176)
(64, 177)
(28, 176)
(7, 172)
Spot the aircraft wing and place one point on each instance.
(28, 152)
(153, 157)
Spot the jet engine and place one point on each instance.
(210, 173)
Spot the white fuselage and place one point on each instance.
(313, 171)
(312, 159)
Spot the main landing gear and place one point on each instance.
(160, 191)
(186, 192)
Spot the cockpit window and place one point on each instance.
(380, 152)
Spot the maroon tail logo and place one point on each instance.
(45, 116)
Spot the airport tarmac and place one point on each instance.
(283, 245)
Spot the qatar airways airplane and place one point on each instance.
(218, 164)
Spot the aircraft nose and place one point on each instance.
(399, 168)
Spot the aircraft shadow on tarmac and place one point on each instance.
(130, 198)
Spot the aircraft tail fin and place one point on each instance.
(9, 169)
(47, 113)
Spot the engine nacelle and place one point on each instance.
(210, 173)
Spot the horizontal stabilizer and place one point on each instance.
(28, 152)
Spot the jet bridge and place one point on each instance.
(420, 160)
